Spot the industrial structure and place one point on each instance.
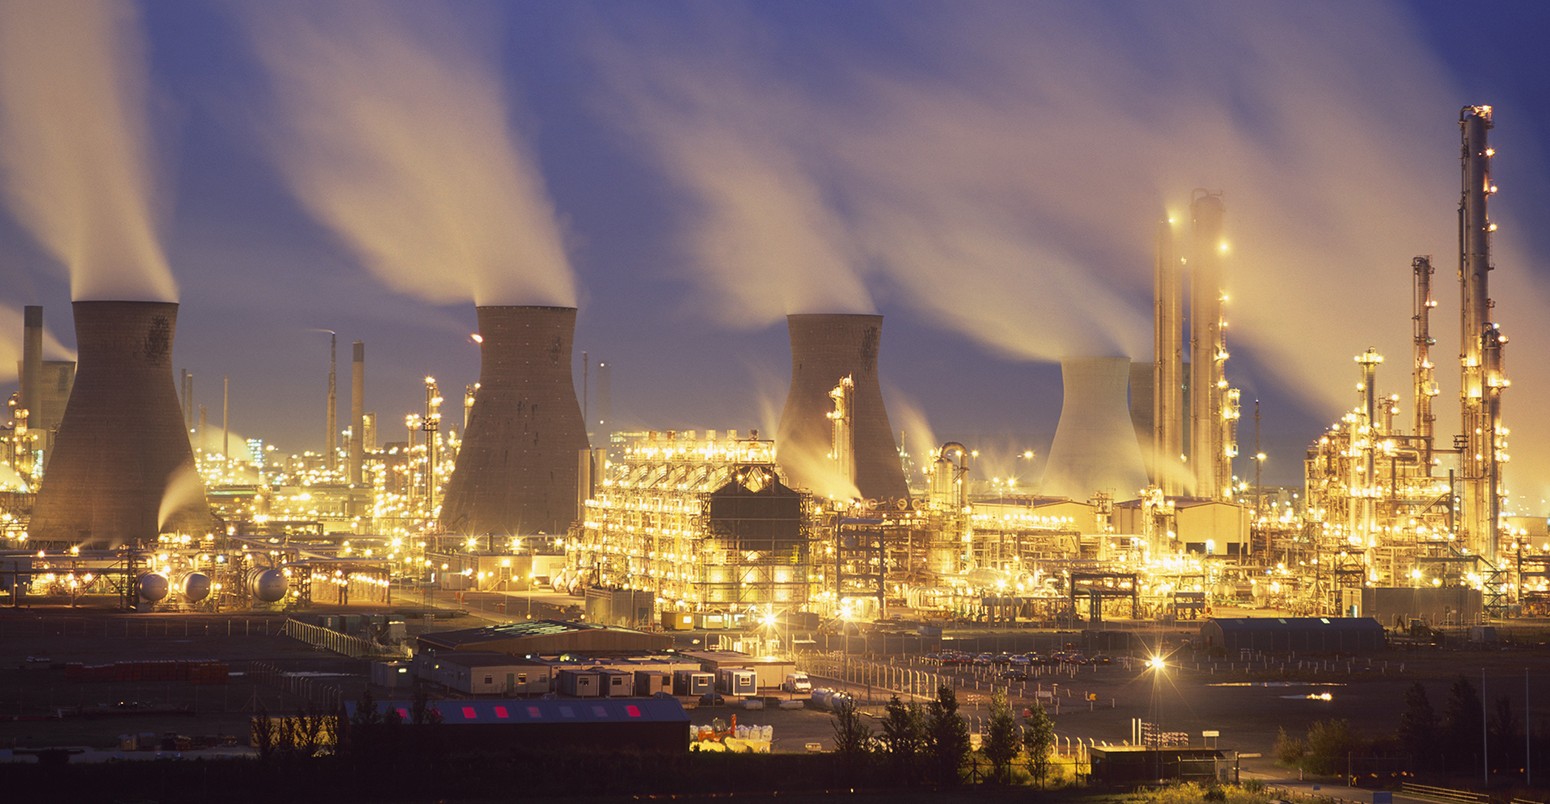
(834, 436)
(520, 463)
(1139, 512)
(122, 470)
(1095, 447)
(1392, 509)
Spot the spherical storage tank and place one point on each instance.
(195, 586)
(268, 585)
(151, 587)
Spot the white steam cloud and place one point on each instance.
(75, 146)
(392, 126)
(1007, 179)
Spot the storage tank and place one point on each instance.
(151, 587)
(122, 470)
(517, 471)
(268, 585)
(195, 587)
(826, 348)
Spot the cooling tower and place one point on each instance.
(1095, 447)
(517, 469)
(826, 348)
(121, 443)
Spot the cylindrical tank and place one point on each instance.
(268, 585)
(195, 586)
(151, 587)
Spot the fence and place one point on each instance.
(321, 695)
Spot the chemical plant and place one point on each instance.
(1145, 510)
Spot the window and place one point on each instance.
(489, 679)
(522, 678)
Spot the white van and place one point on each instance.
(797, 682)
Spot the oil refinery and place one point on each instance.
(1146, 509)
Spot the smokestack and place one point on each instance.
(1168, 367)
(121, 444)
(517, 471)
(1095, 447)
(32, 364)
(825, 349)
(331, 419)
(357, 412)
(1208, 353)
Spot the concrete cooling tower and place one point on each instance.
(1095, 447)
(122, 469)
(518, 469)
(826, 348)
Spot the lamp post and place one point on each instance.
(1157, 664)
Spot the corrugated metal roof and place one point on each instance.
(1296, 623)
(544, 710)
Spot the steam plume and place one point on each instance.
(1004, 181)
(395, 132)
(74, 143)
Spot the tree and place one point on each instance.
(903, 739)
(1418, 727)
(947, 737)
(1038, 741)
(1506, 736)
(1462, 726)
(1330, 746)
(852, 738)
(1000, 746)
(1290, 750)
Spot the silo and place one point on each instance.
(517, 471)
(825, 349)
(1095, 447)
(122, 469)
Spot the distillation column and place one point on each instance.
(1424, 372)
(1484, 439)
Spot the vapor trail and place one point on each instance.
(391, 125)
(75, 149)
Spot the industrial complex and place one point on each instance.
(1146, 509)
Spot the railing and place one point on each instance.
(329, 639)
(1433, 793)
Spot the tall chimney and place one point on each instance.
(1095, 447)
(1168, 368)
(357, 412)
(331, 419)
(517, 471)
(1207, 351)
(32, 363)
(825, 349)
(122, 451)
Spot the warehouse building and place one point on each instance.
(1294, 634)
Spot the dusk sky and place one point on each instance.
(987, 175)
